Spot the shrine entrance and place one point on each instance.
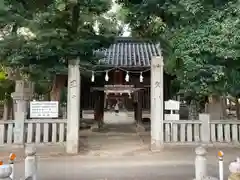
(117, 102)
(129, 79)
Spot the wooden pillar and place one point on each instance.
(135, 96)
(135, 110)
(139, 108)
(99, 108)
(96, 100)
(101, 105)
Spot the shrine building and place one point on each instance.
(123, 86)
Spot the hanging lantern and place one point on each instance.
(106, 76)
(127, 77)
(141, 77)
(92, 78)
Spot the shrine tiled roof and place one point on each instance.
(129, 52)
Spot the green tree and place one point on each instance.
(203, 36)
(39, 37)
(60, 31)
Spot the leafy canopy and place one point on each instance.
(203, 37)
(58, 31)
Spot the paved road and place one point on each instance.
(113, 169)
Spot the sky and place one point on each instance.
(126, 30)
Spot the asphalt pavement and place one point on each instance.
(125, 168)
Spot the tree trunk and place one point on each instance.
(58, 84)
(224, 106)
(237, 109)
(139, 108)
(215, 108)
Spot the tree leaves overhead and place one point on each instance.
(58, 30)
(207, 46)
(203, 35)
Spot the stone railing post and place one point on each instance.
(20, 97)
(200, 163)
(205, 128)
(5, 172)
(234, 169)
(30, 163)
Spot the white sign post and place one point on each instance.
(44, 109)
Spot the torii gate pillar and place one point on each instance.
(157, 103)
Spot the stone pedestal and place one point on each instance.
(73, 106)
(30, 163)
(157, 104)
(200, 163)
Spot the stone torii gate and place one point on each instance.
(73, 105)
(157, 103)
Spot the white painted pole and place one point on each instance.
(12, 174)
(12, 158)
(5, 172)
(220, 162)
(200, 163)
(31, 163)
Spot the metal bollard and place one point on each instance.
(5, 172)
(234, 169)
(12, 158)
(220, 164)
(200, 163)
(30, 163)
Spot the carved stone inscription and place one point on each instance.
(73, 83)
(157, 84)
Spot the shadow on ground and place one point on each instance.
(116, 128)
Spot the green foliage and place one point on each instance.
(39, 37)
(61, 30)
(207, 49)
(204, 37)
(6, 86)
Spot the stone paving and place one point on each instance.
(119, 157)
(115, 168)
(119, 146)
